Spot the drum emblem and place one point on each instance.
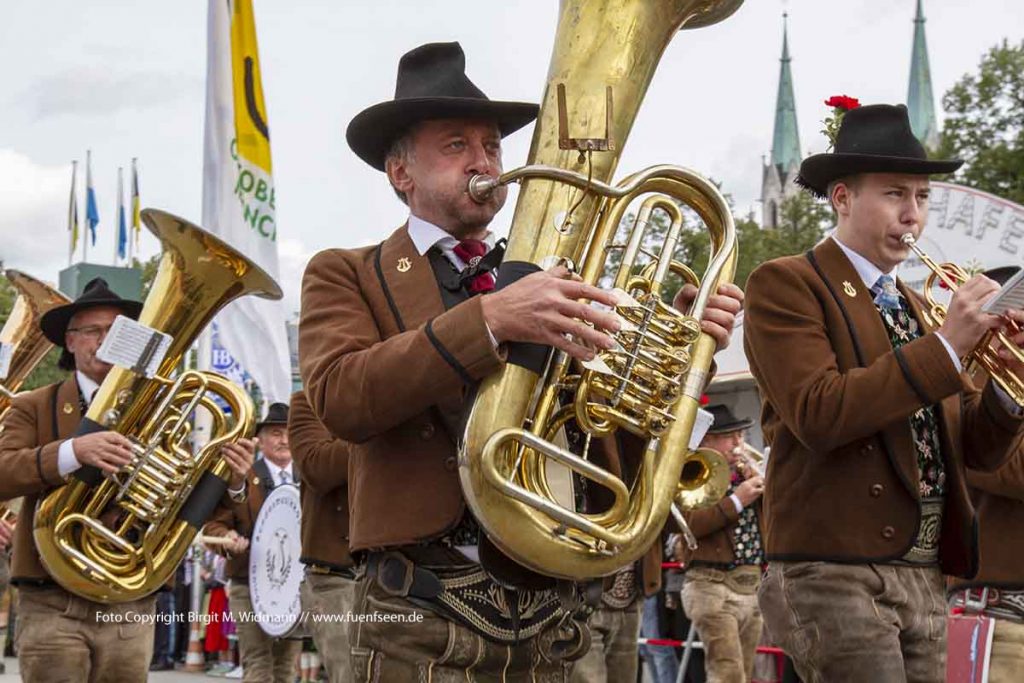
(279, 559)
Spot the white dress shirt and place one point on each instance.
(67, 461)
(276, 472)
(425, 235)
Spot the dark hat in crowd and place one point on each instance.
(54, 322)
(431, 84)
(277, 414)
(876, 138)
(725, 420)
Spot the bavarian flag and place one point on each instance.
(238, 190)
(92, 212)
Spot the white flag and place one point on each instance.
(238, 190)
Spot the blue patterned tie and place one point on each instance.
(887, 297)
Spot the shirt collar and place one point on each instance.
(867, 270)
(86, 386)
(275, 471)
(425, 235)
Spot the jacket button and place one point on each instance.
(450, 463)
(427, 432)
(339, 508)
(888, 532)
(876, 490)
(866, 450)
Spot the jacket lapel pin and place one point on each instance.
(68, 408)
(848, 288)
(404, 264)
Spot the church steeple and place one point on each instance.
(920, 101)
(777, 180)
(786, 140)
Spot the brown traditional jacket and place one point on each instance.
(842, 480)
(385, 367)
(240, 518)
(321, 462)
(999, 497)
(715, 530)
(32, 431)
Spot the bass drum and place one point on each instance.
(274, 568)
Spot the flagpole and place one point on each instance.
(88, 184)
(72, 215)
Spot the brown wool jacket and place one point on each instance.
(240, 518)
(321, 462)
(32, 431)
(715, 530)
(842, 480)
(385, 368)
(999, 497)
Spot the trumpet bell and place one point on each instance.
(704, 480)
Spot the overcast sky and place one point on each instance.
(127, 79)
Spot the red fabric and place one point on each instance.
(471, 251)
(216, 640)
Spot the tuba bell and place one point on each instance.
(983, 355)
(118, 538)
(23, 340)
(604, 57)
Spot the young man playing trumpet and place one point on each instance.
(723, 573)
(870, 419)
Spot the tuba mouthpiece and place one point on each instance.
(481, 186)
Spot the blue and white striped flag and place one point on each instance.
(92, 213)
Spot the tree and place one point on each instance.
(985, 124)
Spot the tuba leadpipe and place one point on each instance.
(118, 538)
(984, 355)
(568, 212)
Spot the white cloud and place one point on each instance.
(33, 221)
(100, 92)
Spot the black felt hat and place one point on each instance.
(431, 84)
(876, 138)
(54, 322)
(725, 421)
(277, 414)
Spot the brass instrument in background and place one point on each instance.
(752, 461)
(604, 58)
(983, 355)
(119, 538)
(21, 331)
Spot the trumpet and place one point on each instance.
(752, 461)
(983, 355)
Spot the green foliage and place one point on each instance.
(148, 268)
(985, 124)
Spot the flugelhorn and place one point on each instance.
(983, 355)
(25, 342)
(568, 212)
(118, 538)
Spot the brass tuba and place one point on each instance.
(983, 355)
(604, 58)
(119, 538)
(27, 343)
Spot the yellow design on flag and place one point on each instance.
(251, 130)
(136, 205)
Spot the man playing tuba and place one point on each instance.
(390, 338)
(60, 635)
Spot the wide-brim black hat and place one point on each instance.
(431, 84)
(54, 322)
(876, 138)
(277, 414)
(725, 420)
